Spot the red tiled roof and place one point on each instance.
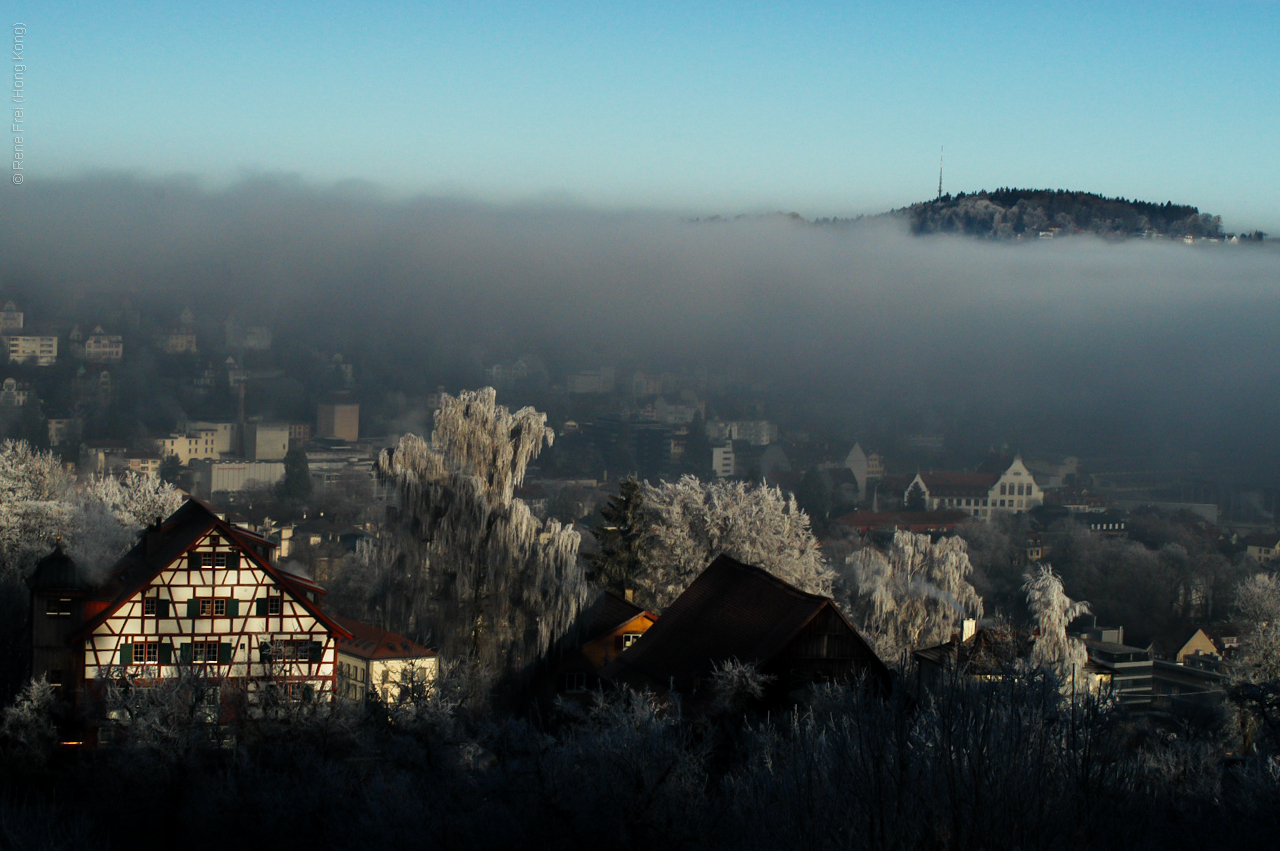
(959, 484)
(157, 548)
(372, 642)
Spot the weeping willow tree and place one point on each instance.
(491, 583)
(1051, 611)
(914, 593)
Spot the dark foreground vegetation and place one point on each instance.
(1006, 765)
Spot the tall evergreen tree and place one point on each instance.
(620, 534)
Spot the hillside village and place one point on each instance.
(305, 563)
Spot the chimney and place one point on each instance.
(969, 629)
(629, 595)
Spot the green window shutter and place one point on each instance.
(233, 608)
(184, 653)
(224, 653)
(166, 653)
(308, 692)
(264, 651)
(233, 561)
(260, 607)
(193, 561)
(317, 651)
(193, 608)
(162, 608)
(126, 654)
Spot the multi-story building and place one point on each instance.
(227, 477)
(1012, 491)
(722, 461)
(102, 347)
(10, 317)
(266, 441)
(195, 596)
(376, 662)
(14, 394)
(39, 349)
(340, 420)
(177, 340)
(194, 444)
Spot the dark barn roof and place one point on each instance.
(731, 611)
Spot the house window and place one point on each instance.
(204, 652)
(219, 608)
(206, 559)
(220, 560)
(206, 608)
(274, 605)
(146, 653)
(58, 606)
(575, 683)
(55, 677)
(629, 638)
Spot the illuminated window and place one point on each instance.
(206, 608)
(629, 638)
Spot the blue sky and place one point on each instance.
(822, 108)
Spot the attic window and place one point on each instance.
(629, 638)
(58, 606)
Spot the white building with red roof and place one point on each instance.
(378, 662)
(984, 495)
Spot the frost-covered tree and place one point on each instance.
(494, 584)
(689, 522)
(36, 505)
(1258, 603)
(40, 505)
(1051, 611)
(914, 593)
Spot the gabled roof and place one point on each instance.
(610, 612)
(731, 611)
(959, 484)
(160, 545)
(372, 642)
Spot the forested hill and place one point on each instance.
(1015, 213)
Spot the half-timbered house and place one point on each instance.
(195, 595)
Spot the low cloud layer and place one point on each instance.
(1072, 344)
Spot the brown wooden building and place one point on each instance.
(733, 611)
